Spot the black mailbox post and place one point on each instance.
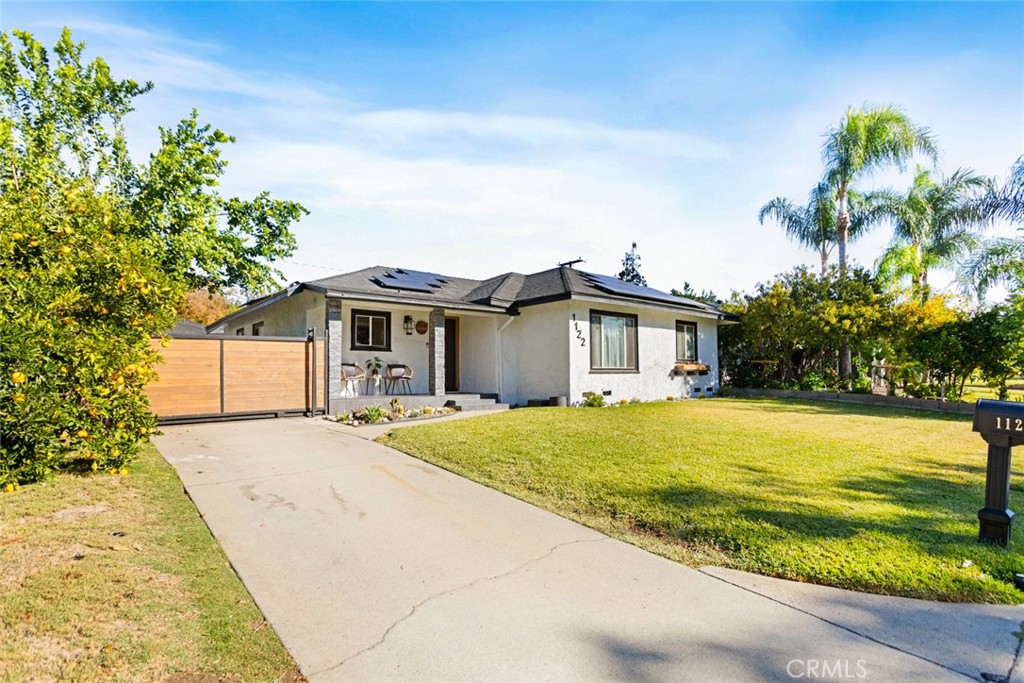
(1001, 424)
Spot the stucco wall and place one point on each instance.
(289, 317)
(656, 346)
(478, 353)
(535, 350)
(406, 349)
(541, 350)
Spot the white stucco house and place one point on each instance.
(519, 338)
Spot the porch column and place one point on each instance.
(435, 352)
(334, 332)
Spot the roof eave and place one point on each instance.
(446, 304)
(701, 312)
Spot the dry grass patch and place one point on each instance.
(117, 578)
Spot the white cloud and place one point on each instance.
(534, 131)
(476, 193)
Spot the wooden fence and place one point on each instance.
(204, 378)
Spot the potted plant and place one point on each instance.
(373, 365)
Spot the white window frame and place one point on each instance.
(681, 326)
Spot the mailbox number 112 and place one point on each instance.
(1009, 423)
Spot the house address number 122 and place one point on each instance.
(1014, 424)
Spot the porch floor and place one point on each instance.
(463, 401)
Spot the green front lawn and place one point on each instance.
(110, 578)
(974, 391)
(872, 499)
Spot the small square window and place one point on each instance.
(240, 332)
(371, 330)
(257, 329)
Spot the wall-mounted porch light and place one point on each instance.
(407, 324)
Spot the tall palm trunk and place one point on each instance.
(842, 235)
(919, 276)
(824, 259)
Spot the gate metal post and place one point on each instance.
(311, 383)
(221, 376)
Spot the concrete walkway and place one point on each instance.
(372, 565)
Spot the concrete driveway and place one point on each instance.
(372, 565)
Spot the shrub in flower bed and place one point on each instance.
(396, 412)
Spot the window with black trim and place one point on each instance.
(686, 341)
(613, 345)
(240, 332)
(371, 330)
(257, 329)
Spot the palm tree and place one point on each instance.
(934, 225)
(866, 140)
(1000, 260)
(1008, 201)
(814, 225)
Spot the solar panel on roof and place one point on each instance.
(613, 285)
(411, 280)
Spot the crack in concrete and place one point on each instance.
(845, 628)
(452, 591)
(1019, 635)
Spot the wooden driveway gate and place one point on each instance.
(206, 378)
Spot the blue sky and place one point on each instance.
(475, 138)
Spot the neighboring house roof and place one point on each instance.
(500, 294)
(187, 328)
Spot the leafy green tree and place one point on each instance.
(990, 341)
(212, 241)
(688, 292)
(631, 268)
(800, 320)
(935, 223)
(98, 253)
(866, 140)
(998, 335)
(912, 318)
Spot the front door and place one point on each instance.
(451, 354)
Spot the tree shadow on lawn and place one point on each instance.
(812, 406)
(927, 512)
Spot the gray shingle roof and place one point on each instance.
(502, 293)
(187, 328)
(456, 289)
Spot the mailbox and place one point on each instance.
(1000, 422)
(1001, 425)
